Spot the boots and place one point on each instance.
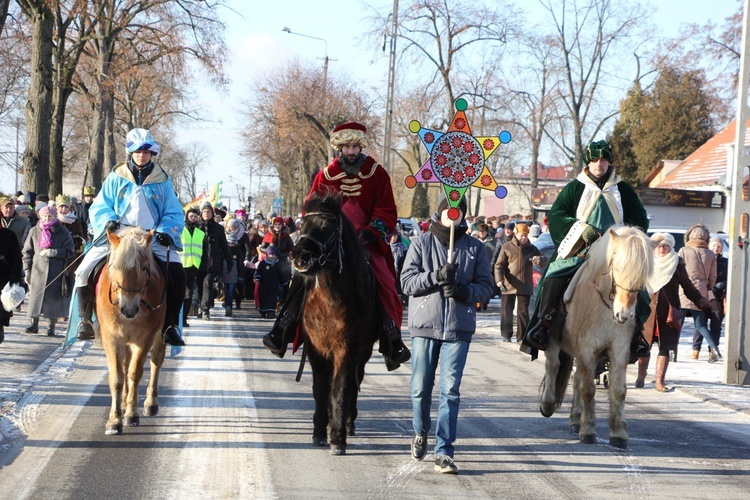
(695, 354)
(185, 312)
(171, 336)
(51, 327)
(662, 362)
(2, 333)
(642, 372)
(538, 335)
(285, 326)
(85, 330)
(34, 326)
(392, 346)
(714, 355)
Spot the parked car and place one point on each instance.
(408, 227)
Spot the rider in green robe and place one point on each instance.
(586, 207)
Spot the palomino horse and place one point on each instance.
(340, 321)
(130, 307)
(600, 302)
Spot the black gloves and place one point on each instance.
(366, 236)
(446, 275)
(456, 292)
(164, 239)
(112, 226)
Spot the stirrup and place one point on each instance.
(171, 336)
(538, 336)
(85, 330)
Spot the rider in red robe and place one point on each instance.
(369, 205)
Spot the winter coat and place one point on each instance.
(427, 306)
(47, 272)
(216, 251)
(700, 263)
(668, 295)
(270, 277)
(10, 266)
(18, 225)
(514, 267)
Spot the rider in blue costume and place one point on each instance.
(137, 193)
(586, 207)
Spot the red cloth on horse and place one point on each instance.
(368, 196)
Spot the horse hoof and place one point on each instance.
(133, 421)
(575, 428)
(618, 443)
(588, 439)
(151, 410)
(113, 430)
(338, 450)
(319, 441)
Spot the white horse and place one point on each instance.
(600, 323)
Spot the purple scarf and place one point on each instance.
(45, 239)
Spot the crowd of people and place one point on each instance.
(54, 248)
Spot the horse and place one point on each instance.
(340, 320)
(600, 323)
(130, 306)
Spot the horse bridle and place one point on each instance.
(613, 288)
(142, 291)
(327, 250)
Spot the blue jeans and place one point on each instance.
(425, 354)
(701, 326)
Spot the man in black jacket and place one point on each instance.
(215, 253)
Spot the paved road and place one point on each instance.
(235, 424)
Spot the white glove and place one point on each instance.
(46, 252)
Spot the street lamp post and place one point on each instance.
(389, 96)
(325, 73)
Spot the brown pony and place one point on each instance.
(130, 308)
(340, 321)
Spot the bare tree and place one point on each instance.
(444, 32)
(587, 34)
(287, 118)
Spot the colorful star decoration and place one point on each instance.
(457, 159)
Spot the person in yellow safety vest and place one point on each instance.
(193, 246)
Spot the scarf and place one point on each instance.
(68, 218)
(45, 238)
(443, 233)
(696, 243)
(233, 237)
(664, 268)
(593, 191)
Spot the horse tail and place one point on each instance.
(563, 377)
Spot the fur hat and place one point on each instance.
(659, 238)
(535, 230)
(521, 229)
(140, 139)
(349, 133)
(596, 150)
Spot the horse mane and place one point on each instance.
(330, 203)
(631, 255)
(132, 250)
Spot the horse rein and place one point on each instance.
(325, 252)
